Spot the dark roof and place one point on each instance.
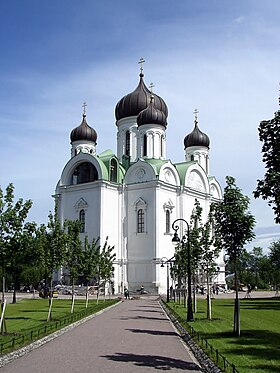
(196, 138)
(136, 101)
(83, 132)
(151, 115)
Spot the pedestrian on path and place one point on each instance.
(126, 293)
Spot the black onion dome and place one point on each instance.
(136, 101)
(83, 132)
(196, 138)
(151, 115)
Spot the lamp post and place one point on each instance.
(167, 261)
(176, 240)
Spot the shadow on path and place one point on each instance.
(152, 332)
(141, 318)
(157, 362)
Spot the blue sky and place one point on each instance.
(221, 57)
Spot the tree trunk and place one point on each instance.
(50, 309)
(209, 309)
(3, 326)
(236, 327)
(87, 296)
(14, 290)
(194, 296)
(50, 302)
(3, 287)
(73, 297)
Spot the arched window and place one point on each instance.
(144, 145)
(113, 170)
(84, 173)
(167, 221)
(82, 219)
(140, 221)
(161, 145)
(127, 143)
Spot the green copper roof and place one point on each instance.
(106, 158)
(182, 169)
(104, 170)
(156, 164)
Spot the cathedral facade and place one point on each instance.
(133, 197)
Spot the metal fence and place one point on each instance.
(218, 359)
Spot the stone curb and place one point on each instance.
(11, 356)
(206, 363)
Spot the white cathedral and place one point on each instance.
(134, 196)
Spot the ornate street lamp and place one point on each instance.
(185, 242)
(166, 261)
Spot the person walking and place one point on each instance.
(126, 293)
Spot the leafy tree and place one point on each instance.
(251, 268)
(269, 187)
(179, 269)
(195, 244)
(20, 248)
(74, 255)
(88, 262)
(15, 234)
(274, 257)
(233, 229)
(51, 246)
(102, 263)
(106, 263)
(209, 254)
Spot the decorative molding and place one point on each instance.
(194, 181)
(140, 173)
(140, 203)
(81, 204)
(168, 206)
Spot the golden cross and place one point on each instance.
(84, 106)
(141, 61)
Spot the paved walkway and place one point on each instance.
(135, 336)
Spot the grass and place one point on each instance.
(257, 350)
(26, 320)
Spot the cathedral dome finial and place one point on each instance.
(141, 61)
(196, 137)
(151, 115)
(133, 103)
(83, 131)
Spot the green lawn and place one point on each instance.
(28, 318)
(258, 348)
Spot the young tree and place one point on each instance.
(74, 254)
(102, 263)
(209, 254)
(195, 244)
(88, 264)
(274, 257)
(189, 242)
(20, 249)
(14, 233)
(51, 243)
(234, 226)
(269, 187)
(106, 263)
